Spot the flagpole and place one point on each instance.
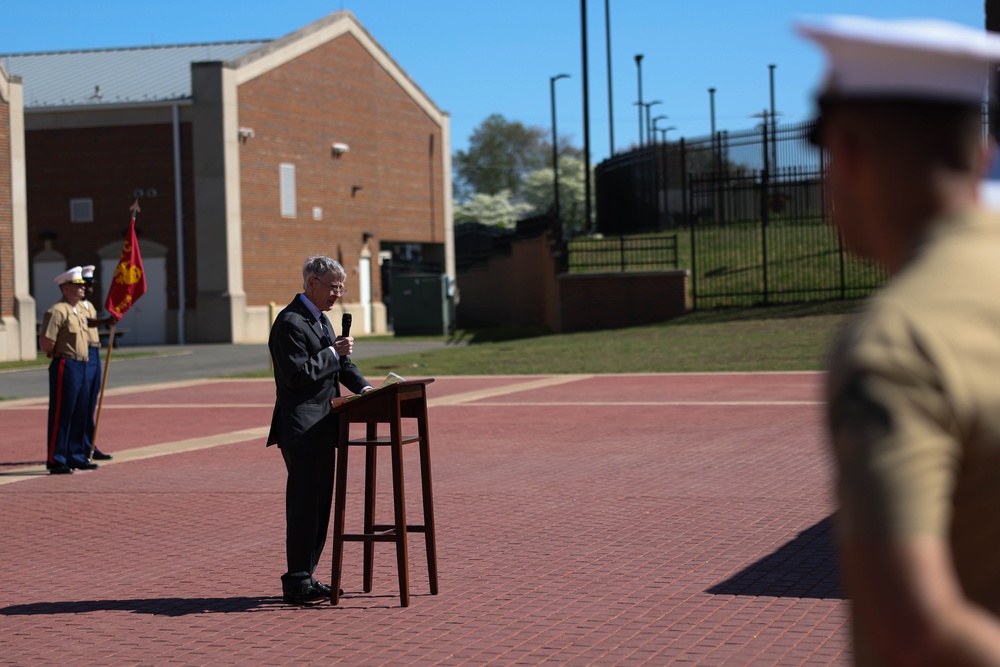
(104, 381)
(117, 312)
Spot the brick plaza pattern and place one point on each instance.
(585, 520)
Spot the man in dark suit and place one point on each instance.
(309, 366)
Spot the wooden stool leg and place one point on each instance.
(339, 505)
(399, 502)
(428, 499)
(371, 456)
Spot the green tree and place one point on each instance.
(500, 154)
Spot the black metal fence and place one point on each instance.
(623, 253)
(748, 211)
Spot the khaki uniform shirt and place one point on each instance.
(914, 406)
(68, 329)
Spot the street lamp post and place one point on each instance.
(711, 111)
(611, 107)
(555, 146)
(711, 108)
(587, 222)
(650, 139)
(663, 133)
(638, 65)
(774, 122)
(665, 152)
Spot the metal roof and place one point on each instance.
(116, 76)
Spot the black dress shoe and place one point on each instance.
(101, 456)
(304, 595)
(89, 465)
(326, 590)
(59, 469)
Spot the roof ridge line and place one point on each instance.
(137, 48)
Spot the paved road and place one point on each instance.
(189, 362)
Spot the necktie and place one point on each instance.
(326, 328)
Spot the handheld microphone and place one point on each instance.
(345, 326)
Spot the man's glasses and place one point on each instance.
(336, 290)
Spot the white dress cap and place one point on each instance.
(924, 59)
(88, 271)
(74, 275)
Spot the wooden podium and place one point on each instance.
(387, 405)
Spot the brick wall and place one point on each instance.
(595, 301)
(519, 289)
(334, 93)
(108, 164)
(6, 216)
(522, 289)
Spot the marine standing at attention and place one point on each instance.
(63, 337)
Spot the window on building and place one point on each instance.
(287, 176)
(81, 210)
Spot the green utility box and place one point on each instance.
(422, 304)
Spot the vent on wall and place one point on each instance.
(81, 210)
(286, 173)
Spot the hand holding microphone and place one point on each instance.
(344, 343)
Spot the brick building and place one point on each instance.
(245, 158)
(17, 308)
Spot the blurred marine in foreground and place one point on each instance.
(914, 382)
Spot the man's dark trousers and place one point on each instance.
(67, 412)
(93, 384)
(308, 500)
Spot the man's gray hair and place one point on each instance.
(318, 265)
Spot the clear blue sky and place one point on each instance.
(478, 57)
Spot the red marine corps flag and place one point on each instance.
(129, 281)
(127, 285)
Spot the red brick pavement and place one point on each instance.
(634, 519)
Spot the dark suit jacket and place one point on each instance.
(306, 376)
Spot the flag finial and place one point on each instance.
(134, 208)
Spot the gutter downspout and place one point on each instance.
(179, 223)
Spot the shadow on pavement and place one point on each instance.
(154, 606)
(806, 567)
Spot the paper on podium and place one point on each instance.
(390, 379)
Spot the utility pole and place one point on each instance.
(586, 121)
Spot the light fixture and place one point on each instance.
(246, 133)
(339, 149)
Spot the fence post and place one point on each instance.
(621, 250)
(665, 220)
(689, 192)
(765, 206)
(686, 212)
